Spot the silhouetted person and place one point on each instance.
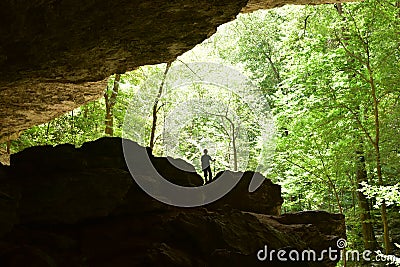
(205, 166)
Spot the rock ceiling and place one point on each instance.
(56, 55)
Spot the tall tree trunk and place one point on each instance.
(365, 212)
(155, 107)
(329, 201)
(8, 147)
(374, 141)
(274, 69)
(235, 158)
(110, 103)
(73, 126)
(353, 202)
(386, 235)
(331, 184)
(234, 133)
(85, 111)
(339, 8)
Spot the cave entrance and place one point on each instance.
(330, 76)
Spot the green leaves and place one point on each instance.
(389, 194)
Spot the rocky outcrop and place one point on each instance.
(66, 206)
(56, 55)
(266, 200)
(253, 5)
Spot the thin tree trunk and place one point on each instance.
(235, 158)
(353, 203)
(47, 133)
(299, 198)
(8, 147)
(339, 8)
(365, 212)
(110, 103)
(334, 193)
(375, 143)
(331, 184)
(234, 148)
(155, 107)
(386, 235)
(73, 126)
(85, 111)
(48, 130)
(329, 201)
(274, 69)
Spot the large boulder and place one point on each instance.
(66, 206)
(9, 198)
(265, 200)
(193, 237)
(64, 184)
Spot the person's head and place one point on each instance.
(205, 151)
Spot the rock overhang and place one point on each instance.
(56, 55)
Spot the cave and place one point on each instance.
(68, 206)
(56, 55)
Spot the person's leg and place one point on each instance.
(205, 175)
(209, 174)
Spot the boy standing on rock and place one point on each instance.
(205, 166)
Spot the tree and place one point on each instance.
(202, 115)
(156, 107)
(335, 98)
(362, 44)
(341, 70)
(110, 101)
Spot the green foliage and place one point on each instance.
(81, 125)
(193, 117)
(389, 259)
(84, 124)
(323, 102)
(389, 194)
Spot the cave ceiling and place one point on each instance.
(56, 55)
